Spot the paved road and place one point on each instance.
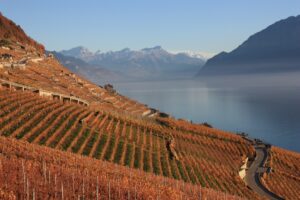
(252, 176)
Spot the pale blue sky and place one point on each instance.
(198, 25)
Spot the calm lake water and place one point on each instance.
(268, 112)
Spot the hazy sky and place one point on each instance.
(199, 25)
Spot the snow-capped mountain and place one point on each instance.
(79, 52)
(144, 63)
(196, 54)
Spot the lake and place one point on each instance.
(268, 112)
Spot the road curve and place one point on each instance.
(252, 178)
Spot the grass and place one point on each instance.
(29, 127)
(71, 137)
(164, 166)
(119, 152)
(128, 155)
(63, 132)
(146, 161)
(80, 141)
(100, 146)
(137, 157)
(40, 130)
(44, 139)
(87, 149)
(173, 170)
(191, 175)
(181, 171)
(155, 163)
(110, 147)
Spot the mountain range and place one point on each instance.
(144, 64)
(94, 73)
(274, 49)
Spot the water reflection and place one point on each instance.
(265, 111)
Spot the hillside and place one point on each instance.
(43, 72)
(65, 137)
(274, 49)
(144, 64)
(131, 142)
(41, 173)
(285, 176)
(10, 32)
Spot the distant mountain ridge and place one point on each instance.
(274, 49)
(145, 63)
(95, 74)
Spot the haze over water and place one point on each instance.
(265, 107)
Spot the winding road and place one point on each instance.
(252, 178)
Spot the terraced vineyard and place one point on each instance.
(207, 157)
(29, 171)
(284, 178)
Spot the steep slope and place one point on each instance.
(37, 172)
(284, 178)
(9, 31)
(274, 49)
(147, 63)
(40, 104)
(203, 156)
(29, 66)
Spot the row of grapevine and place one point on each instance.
(203, 160)
(284, 179)
(41, 173)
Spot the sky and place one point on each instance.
(197, 25)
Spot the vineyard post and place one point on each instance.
(49, 177)
(109, 190)
(83, 188)
(33, 194)
(119, 184)
(73, 183)
(27, 189)
(62, 190)
(97, 189)
(199, 192)
(44, 171)
(24, 178)
(55, 186)
(134, 192)
(128, 193)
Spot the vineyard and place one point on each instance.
(30, 171)
(284, 178)
(115, 147)
(208, 158)
(48, 72)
